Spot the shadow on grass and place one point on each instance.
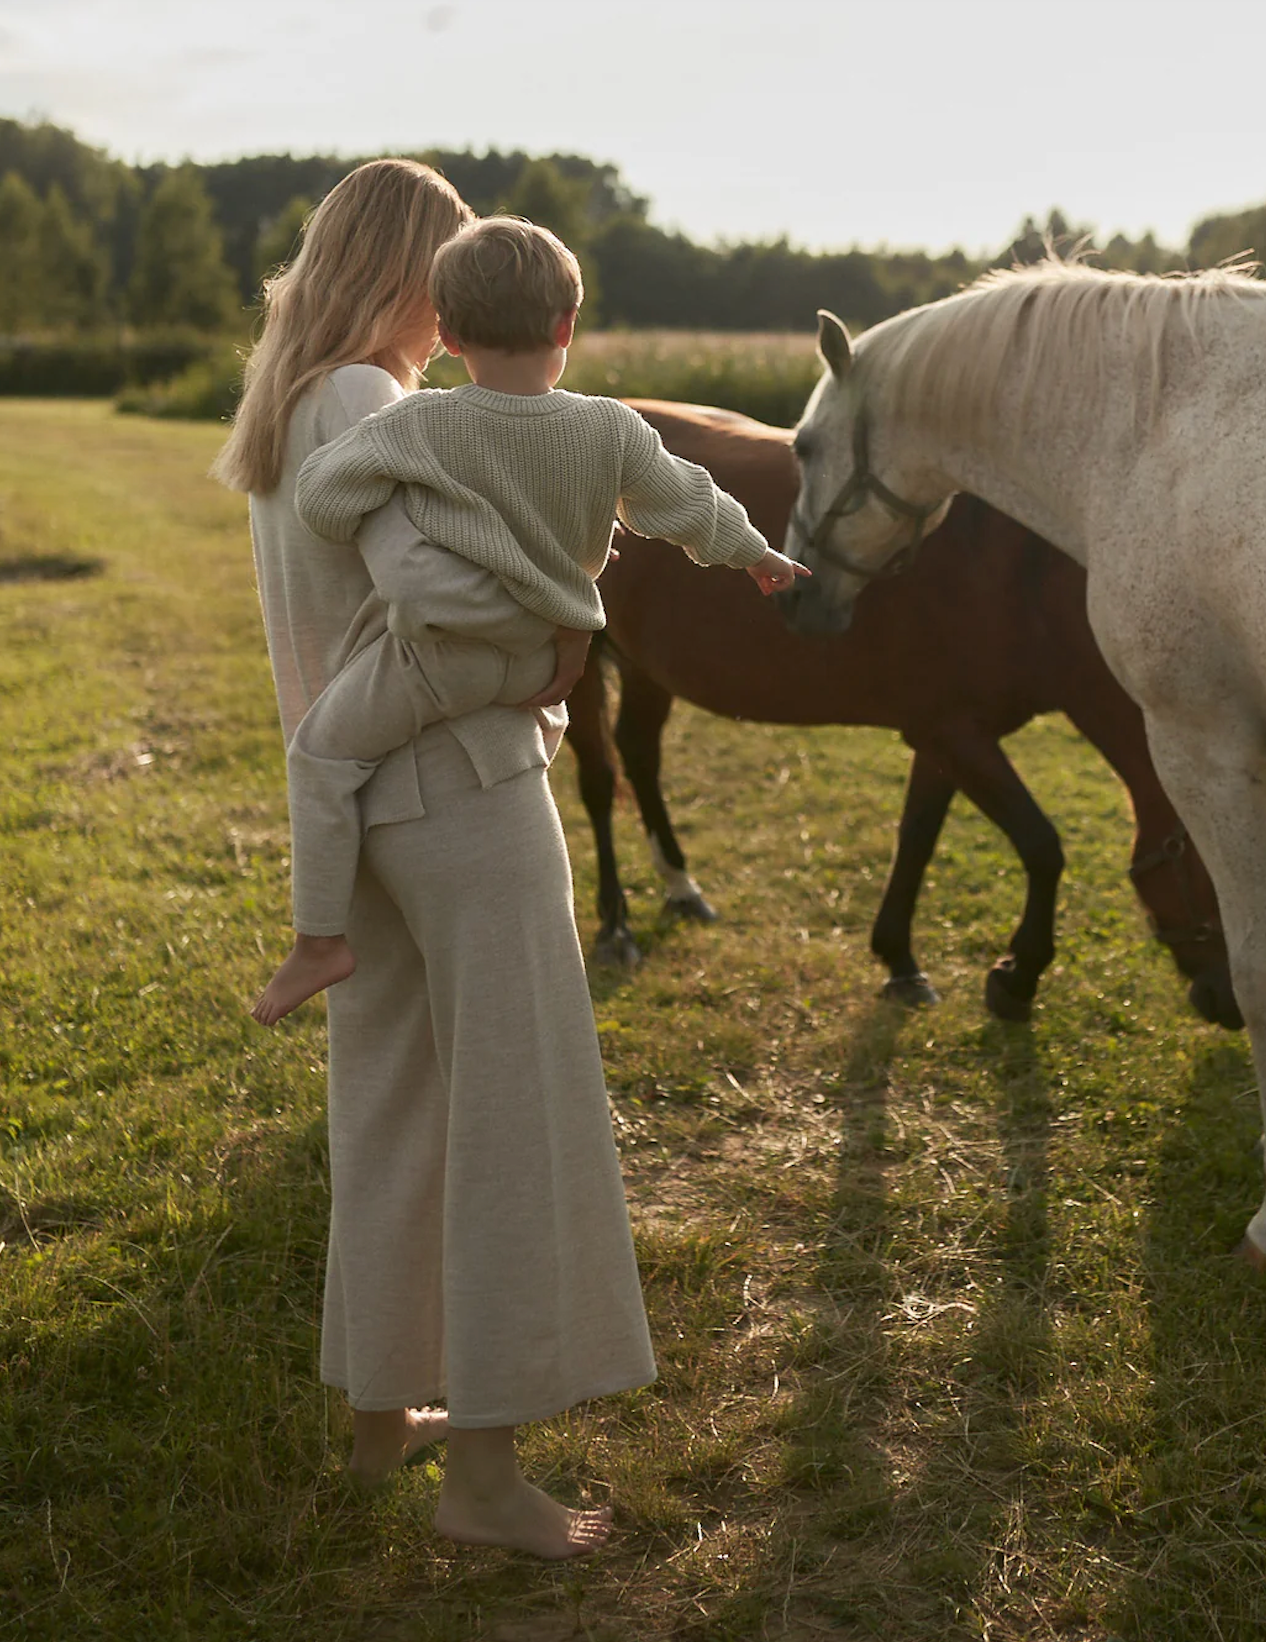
(909, 1458)
(967, 1515)
(816, 1565)
(1191, 1526)
(48, 567)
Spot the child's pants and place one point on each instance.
(383, 698)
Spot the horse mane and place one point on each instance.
(1065, 323)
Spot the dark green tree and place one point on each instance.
(74, 265)
(1219, 239)
(279, 241)
(180, 276)
(544, 194)
(21, 221)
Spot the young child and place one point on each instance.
(514, 476)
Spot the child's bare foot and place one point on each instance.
(315, 962)
(384, 1442)
(520, 1519)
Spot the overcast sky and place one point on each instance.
(910, 122)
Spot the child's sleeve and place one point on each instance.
(340, 483)
(663, 495)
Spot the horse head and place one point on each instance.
(849, 525)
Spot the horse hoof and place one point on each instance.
(693, 907)
(616, 949)
(1001, 1001)
(910, 990)
(1249, 1252)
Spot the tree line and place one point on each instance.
(92, 242)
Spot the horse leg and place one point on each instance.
(639, 730)
(595, 772)
(1113, 723)
(986, 775)
(928, 794)
(1217, 779)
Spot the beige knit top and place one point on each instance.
(526, 485)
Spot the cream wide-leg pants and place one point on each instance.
(383, 698)
(479, 1240)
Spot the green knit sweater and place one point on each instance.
(526, 485)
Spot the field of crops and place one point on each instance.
(952, 1342)
(764, 375)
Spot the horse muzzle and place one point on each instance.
(805, 610)
(1212, 997)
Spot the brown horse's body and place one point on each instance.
(987, 630)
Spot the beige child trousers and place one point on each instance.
(384, 697)
(479, 1239)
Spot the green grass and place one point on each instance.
(952, 1344)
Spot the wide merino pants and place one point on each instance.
(479, 1241)
(384, 697)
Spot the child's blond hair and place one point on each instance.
(357, 288)
(505, 283)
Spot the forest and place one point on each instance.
(94, 243)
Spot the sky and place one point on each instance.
(834, 122)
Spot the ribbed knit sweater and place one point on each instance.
(527, 486)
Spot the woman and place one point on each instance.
(479, 1240)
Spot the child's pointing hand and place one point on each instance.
(775, 572)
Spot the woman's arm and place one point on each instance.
(428, 588)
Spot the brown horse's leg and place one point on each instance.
(928, 794)
(639, 729)
(1176, 890)
(595, 771)
(986, 775)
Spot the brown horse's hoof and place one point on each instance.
(616, 949)
(910, 990)
(693, 907)
(1001, 1001)
(1251, 1255)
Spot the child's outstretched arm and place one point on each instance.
(664, 495)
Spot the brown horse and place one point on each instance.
(987, 630)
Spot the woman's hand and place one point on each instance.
(572, 646)
(775, 573)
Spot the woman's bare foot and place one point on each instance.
(384, 1441)
(521, 1519)
(315, 962)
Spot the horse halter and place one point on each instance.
(850, 499)
(1171, 852)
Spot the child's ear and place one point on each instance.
(451, 343)
(565, 329)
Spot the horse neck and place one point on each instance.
(1042, 493)
(1041, 449)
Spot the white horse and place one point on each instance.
(1123, 417)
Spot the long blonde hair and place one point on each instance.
(357, 288)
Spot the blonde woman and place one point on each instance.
(479, 1240)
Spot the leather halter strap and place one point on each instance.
(850, 499)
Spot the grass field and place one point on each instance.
(952, 1343)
